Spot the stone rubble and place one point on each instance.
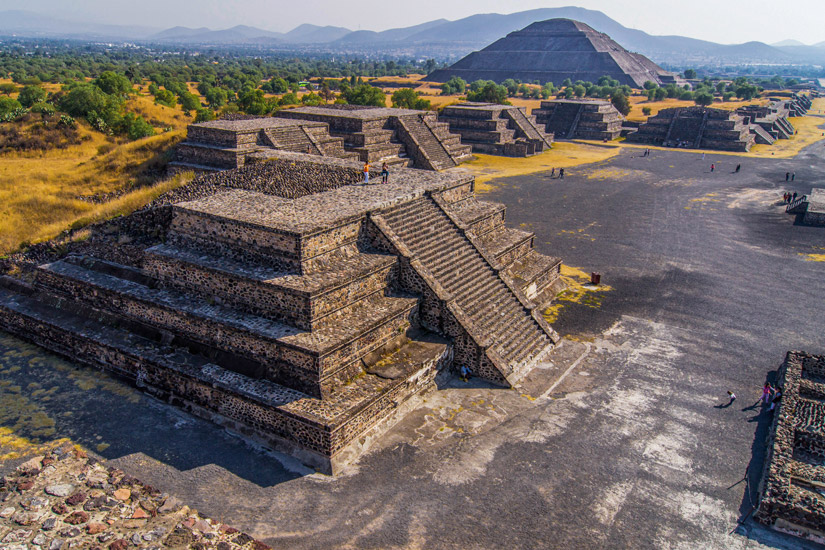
(65, 500)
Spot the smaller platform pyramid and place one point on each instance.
(552, 51)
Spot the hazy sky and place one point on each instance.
(725, 21)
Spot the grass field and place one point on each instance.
(40, 191)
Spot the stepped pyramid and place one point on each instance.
(291, 303)
(552, 51)
(399, 137)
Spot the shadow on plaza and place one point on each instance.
(747, 526)
(44, 397)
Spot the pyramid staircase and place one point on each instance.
(507, 333)
(431, 142)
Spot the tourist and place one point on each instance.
(738, 167)
(712, 167)
(793, 198)
(732, 397)
(553, 172)
(385, 172)
(787, 176)
(703, 156)
(793, 177)
(465, 373)
(367, 172)
(776, 397)
(561, 173)
(766, 393)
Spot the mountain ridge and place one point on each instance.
(440, 37)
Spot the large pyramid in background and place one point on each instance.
(552, 51)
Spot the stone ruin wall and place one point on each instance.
(793, 480)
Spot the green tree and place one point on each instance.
(579, 90)
(8, 105)
(7, 88)
(135, 127)
(216, 97)
(364, 94)
(703, 98)
(30, 95)
(620, 101)
(455, 85)
(646, 111)
(690, 74)
(204, 115)
(727, 96)
(661, 94)
(290, 99)
(650, 85)
(112, 83)
(277, 85)
(490, 93)
(253, 102)
(189, 101)
(84, 99)
(165, 97)
(407, 98)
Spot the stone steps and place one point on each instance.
(507, 245)
(323, 433)
(480, 217)
(301, 300)
(313, 362)
(535, 273)
(495, 311)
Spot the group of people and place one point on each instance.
(553, 173)
(385, 172)
(771, 395)
(790, 176)
(789, 197)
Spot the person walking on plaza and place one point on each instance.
(712, 167)
(366, 172)
(732, 397)
(766, 393)
(793, 176)
(738, 167)
(787, 176)
(385, 172)
(553, 172)
(561, 173)
(793, 197)
(777, 395)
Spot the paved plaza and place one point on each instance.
(619, 442)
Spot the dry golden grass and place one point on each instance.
(562, 155)
(39, 191)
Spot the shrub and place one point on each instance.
(216, 97)
(112, 83)
(31, 95)
(83, 99)
(204, 115)
(407, 98)
(189, 101)
(7, 88)
(135, 127)
(8, 105)
(490, 93)
(646, 111)
(703, 98)
(290, 99)
(46, 109)
(312, 99)
(619, 100)
(364, 94)
(455, 85)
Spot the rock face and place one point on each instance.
(696, 128)
(553, 51)
(496, 129)
(794, 477)
(92, 519)
(288, 302)
(399, 137)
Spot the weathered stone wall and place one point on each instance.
(792, 483)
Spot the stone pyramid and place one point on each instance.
(552, 51)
